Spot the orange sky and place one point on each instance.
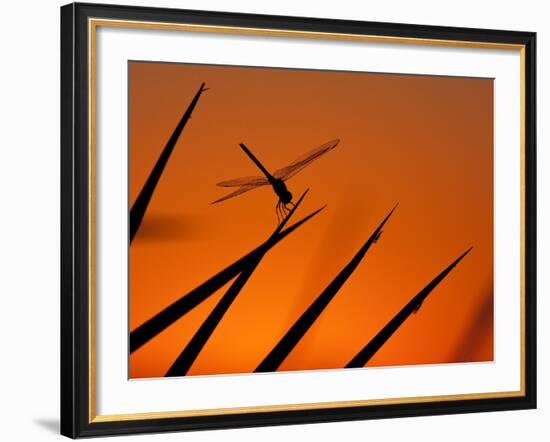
(425, 142)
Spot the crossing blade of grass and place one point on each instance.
(391, 327)
(166, 317)
(283, 348)
(137, 212)
(187, 357)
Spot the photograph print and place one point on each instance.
(292, 220)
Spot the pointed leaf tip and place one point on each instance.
(465, 253)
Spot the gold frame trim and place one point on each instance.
(93, 24)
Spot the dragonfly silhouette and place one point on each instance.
(277, 179)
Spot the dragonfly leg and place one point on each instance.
(284, 210)
(277, 210)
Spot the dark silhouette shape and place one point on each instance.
(472, 340)
(277, 180)
(412, 307)
(187, 357)
(152, 327)
(279, 353)
(137, 212)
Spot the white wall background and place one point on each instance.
(29, 219)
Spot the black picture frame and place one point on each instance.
(75, 219)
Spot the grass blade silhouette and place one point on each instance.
(137, 212)
(279, 353)
(153, 326)
(187, 357)
(391, 327)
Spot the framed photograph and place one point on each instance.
(275, 220)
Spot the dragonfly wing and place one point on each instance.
(240, 190)
(305, 160)
(245, 181)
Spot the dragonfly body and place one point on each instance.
(285, 197)
(276, 179)
(281, 190)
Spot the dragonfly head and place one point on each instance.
(286, 197)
